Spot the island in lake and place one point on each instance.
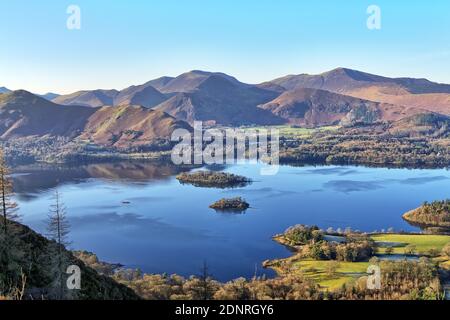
(211, 179)
(233, 204)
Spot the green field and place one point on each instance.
(317, 271)
(296, 132)
(349, 271)
(423, 243)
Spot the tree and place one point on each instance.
(58, 230)
(201, 287)
(446, 250)
(8, 206)
(10, 252)
(331, 268)
(205, 278)
(410, 249)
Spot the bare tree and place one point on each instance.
(10, 251)
(207, 284)
(8, 206)
(58, 230)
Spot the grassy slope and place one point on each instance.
(316, 270)
(294, 132)
(423, 243)
(349, 271)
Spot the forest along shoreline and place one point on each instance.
(376, 145)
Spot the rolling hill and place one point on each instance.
(159, 83)
(218, 99)
(126, 126)
(194, 95)
(314, 107)
(411, 95)
(94, 98)
(422, 124)
(343, 80)
(4, 90)
(23, 114)
(338, 96)
(144, 95)
(190, 81)
(49, 96)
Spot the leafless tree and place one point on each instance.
(58, 230)
(8, 206)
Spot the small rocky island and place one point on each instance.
(211, 179)
(233, 204)
(434, 214)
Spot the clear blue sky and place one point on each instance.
(130, 42)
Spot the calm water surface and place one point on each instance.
(138, 214)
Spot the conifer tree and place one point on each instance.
(58, 229)
(10, 253)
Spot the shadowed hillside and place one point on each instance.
(23, 114)
(313, 107)
(34, 259)
(129, 125)
(414, 94)
(422, 124)
(94, 98)
(220, 100)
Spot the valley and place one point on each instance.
(346, 136)
(327, 118)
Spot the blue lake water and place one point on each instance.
(138, 214)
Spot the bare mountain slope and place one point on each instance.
(25, 114)
(4, 90)
(190, 81)
(126, 126)
(94, 98)
(144, 95)
(221, 100)
(343, 80)
(408, 94)
(313, 107)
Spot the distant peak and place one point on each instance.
(21, 92)
(23, 96)
(342, 70)
(201, 72)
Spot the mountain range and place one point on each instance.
(153, 109)
(23, 114)
(407, 94)
(49, 95)
(222, 99)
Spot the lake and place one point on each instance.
(138, 214)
